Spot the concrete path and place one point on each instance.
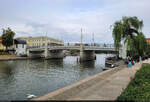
(107, 85)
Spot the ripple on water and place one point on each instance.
(38, 77)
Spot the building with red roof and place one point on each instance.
(148, 40)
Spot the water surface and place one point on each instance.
(38, 77)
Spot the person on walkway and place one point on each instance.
(130, 63)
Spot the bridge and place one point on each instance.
(72, 47)
(86, 52)
(49, 52)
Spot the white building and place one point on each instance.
(20, 47)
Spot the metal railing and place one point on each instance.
(74, 45)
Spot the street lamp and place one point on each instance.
(93, 38)
(81, 36)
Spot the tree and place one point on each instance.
(131, 26)
(7, 37)
(128, 28)
(138, 46)
(148, 50)
(141, 44)
(117, 34)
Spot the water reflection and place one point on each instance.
(17, 78)
(6, 69)
(55, 62)
(88, 64)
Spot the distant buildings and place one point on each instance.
(148, 40)
(1, 45)
(41, 40)
(20, 47)
(20, 44)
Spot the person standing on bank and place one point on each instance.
(130, 63)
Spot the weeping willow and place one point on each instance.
(117, 35)
(138, 46)
(129, 28)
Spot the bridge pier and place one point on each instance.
(54, 54)
(34, 54)
(87, 55)
(28, 52)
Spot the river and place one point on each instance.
(38, 77)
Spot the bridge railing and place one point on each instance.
(70, 46)
(78, 48)
(89, 44)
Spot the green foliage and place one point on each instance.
(129, 28)
(138, 46)
(7, 37)
(5, 53)
(148, 50)
(117, 34)
(139, 87)
(73, 51)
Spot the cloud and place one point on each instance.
(63, 19)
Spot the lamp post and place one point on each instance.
(81, 47)
(81, 43)
(81, 37)
(46, 48)
(93, 38)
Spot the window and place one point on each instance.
(22, 45)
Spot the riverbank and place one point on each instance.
(11, 57)
(107, 85)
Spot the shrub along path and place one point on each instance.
(139, 87)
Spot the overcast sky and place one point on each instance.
(63, 19)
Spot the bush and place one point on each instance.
(139, 87)
(73, 51)
(4, 53)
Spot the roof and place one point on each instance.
(0, 39)
(17, 41)
(147, 38)
(38, 37)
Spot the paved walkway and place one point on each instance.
(107, 85)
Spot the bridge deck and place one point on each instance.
(95, 48)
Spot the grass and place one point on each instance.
(4, 53)
(139, 87)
